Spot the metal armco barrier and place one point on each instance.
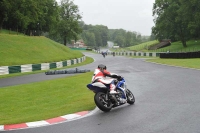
(66, 71)
(35, 67)
(182, 55)
(131, 53)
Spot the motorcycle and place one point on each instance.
(104, 54)
(106, 101)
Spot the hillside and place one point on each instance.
(20, 49)
(143, 46)
(192, 45)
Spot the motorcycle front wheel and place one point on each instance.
(130, 97)
(101, 102)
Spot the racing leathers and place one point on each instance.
(102, 76)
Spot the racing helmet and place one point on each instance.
(102, 67)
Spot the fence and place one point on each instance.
(181, 55)
(35, 67)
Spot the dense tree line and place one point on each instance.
(125, 38)
(94, 35)
(33, 17)
(176, 20)
(60, 22)
(28, 16)
(98, 35)
(67, 28)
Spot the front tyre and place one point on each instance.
(130, 97)
(101, 102)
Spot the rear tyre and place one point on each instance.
(100, 101)
(130, 97)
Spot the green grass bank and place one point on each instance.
(52, 98)
(188, 63)
(47, 99)
(20, 49)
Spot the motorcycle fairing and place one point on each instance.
(98, 87)
(120, 86)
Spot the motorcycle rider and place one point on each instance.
(100, 74)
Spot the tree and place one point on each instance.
(4, 9)
(174, 19)
(68, 27)
(103, 32)
(98, 38)
(128, 38)
(49, 15)
(22, 14)
(96, 35)
(134, 39)
(29, 15)
(125, 38)
(89, 38)
(119, 40)
(191, 9)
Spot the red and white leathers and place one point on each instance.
(100, 76)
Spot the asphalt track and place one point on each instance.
(167, 100)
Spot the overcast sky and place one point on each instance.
(130, 15)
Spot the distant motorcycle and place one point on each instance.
(104, 55)
(106, 101)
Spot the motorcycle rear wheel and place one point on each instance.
(101, 102)
(130, 97)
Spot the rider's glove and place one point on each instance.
(119, 77)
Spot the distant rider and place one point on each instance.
(113, 53)
(103, 54)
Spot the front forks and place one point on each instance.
(123, 90)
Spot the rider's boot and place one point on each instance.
(112, 89)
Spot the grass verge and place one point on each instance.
(189, 63)
(19, 50)
(192, 45)
(87, 61)
(44, 100)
